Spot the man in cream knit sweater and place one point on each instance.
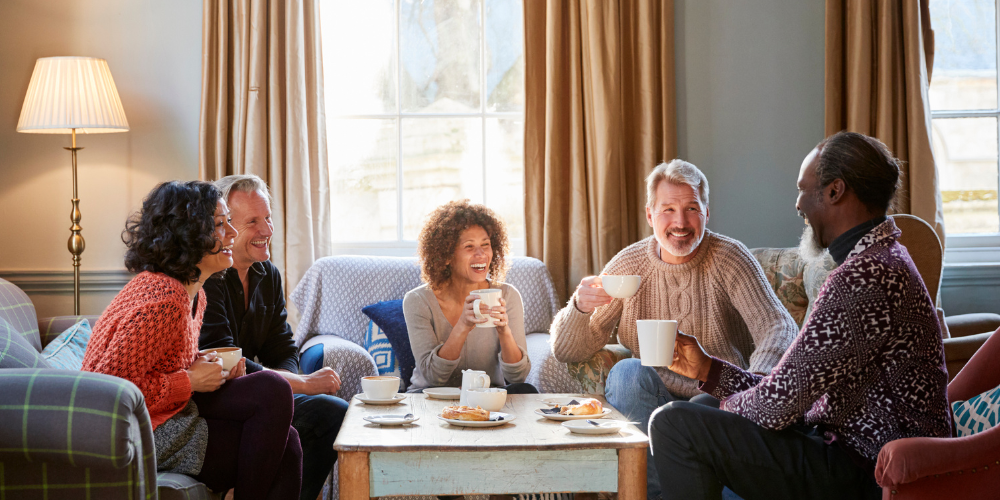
(709, 283)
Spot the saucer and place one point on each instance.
(391, 401)
(584, 427)
(556, 416)
(390, 419)
(507, 417)
(443, 392)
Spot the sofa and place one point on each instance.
(71, 434)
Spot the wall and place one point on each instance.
(749, 108)
(154, 52)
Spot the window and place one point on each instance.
(964, 109)
(425, 104)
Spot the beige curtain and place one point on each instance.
(262, 112)
(600, 113)
(879, 56)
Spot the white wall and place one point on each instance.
(154, 52)
(749, 108)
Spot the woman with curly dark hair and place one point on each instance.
(462, 248)
(226, 429)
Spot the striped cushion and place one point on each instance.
(66, 351)
(977, 414)
(16, 351)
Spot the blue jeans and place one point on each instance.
(317, 420)
(637, 391)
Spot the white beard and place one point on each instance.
(682, 251)
(809, 246)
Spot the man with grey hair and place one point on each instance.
(246, 309)
(709, 283)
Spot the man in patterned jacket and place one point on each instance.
(866, 368)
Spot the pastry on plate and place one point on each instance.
(586, 407)
(465, 413)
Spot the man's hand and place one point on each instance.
(239, 370)
(206, 373)
(322, 381)
(690, 359)
(590, 295)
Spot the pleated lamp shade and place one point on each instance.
(68, 93)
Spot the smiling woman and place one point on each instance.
(462, 248)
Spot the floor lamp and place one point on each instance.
(68, 95)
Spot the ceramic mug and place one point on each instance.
(229, 356)
(656, 341)
(380, 386)
(490, 297)
(620, 286)
(471, 380)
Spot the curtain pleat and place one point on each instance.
(879, 56)
(262, 113)
(600, 113)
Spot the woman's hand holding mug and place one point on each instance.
(468, 319)
(206, 373)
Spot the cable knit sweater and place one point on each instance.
(149, 337)
(868, 366)
(720, 296)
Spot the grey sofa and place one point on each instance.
(67, 434)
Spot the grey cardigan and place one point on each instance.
(429, 329)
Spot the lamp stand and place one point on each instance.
(75, 243)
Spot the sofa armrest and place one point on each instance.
(50, 328)
(909, 459)
(348, 359)
(959, 350)
(963, 325)
(80, 419)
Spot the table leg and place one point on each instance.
(631, 474)
(355, 481)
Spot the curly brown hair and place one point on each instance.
(439, 238)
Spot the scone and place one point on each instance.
(465, 413)
(586, 407)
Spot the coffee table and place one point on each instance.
(531, 454)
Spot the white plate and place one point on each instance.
(556, 416)
(562, 401)
(507, 417)
(584, 427)
(391, 401)
(390, 419)
(443, 392)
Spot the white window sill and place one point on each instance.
(972, 250)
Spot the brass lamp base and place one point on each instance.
(75, 244)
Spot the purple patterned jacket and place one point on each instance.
(867, 366)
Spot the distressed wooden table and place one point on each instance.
(531, 454)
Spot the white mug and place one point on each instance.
(490, 297)
(472, 379)
(656, 341)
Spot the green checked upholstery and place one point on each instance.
(71, 434)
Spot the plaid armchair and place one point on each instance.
(67, 434)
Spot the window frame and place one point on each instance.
(981, 248)
(402, 247)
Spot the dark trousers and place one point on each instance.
(317, 420)
(251, 447)
(697, 450)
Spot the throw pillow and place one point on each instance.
(66, 351)
(977, 414)
(17, 351)
(388, 315)
(377, 344)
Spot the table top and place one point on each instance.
(528, 431)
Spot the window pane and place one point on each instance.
(439, 52)
(965, 55)
(504, 55)
(363, 179)
(442, 161)
(359, 46)
(966, 154)
(505, 172)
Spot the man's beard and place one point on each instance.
(809, 246)
(682, 251)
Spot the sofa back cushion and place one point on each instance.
(333, 291)
(16, 308)
(16, 351)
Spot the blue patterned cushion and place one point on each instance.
(388, 315)
(66, 351)
(379, 347)
(977, 414)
